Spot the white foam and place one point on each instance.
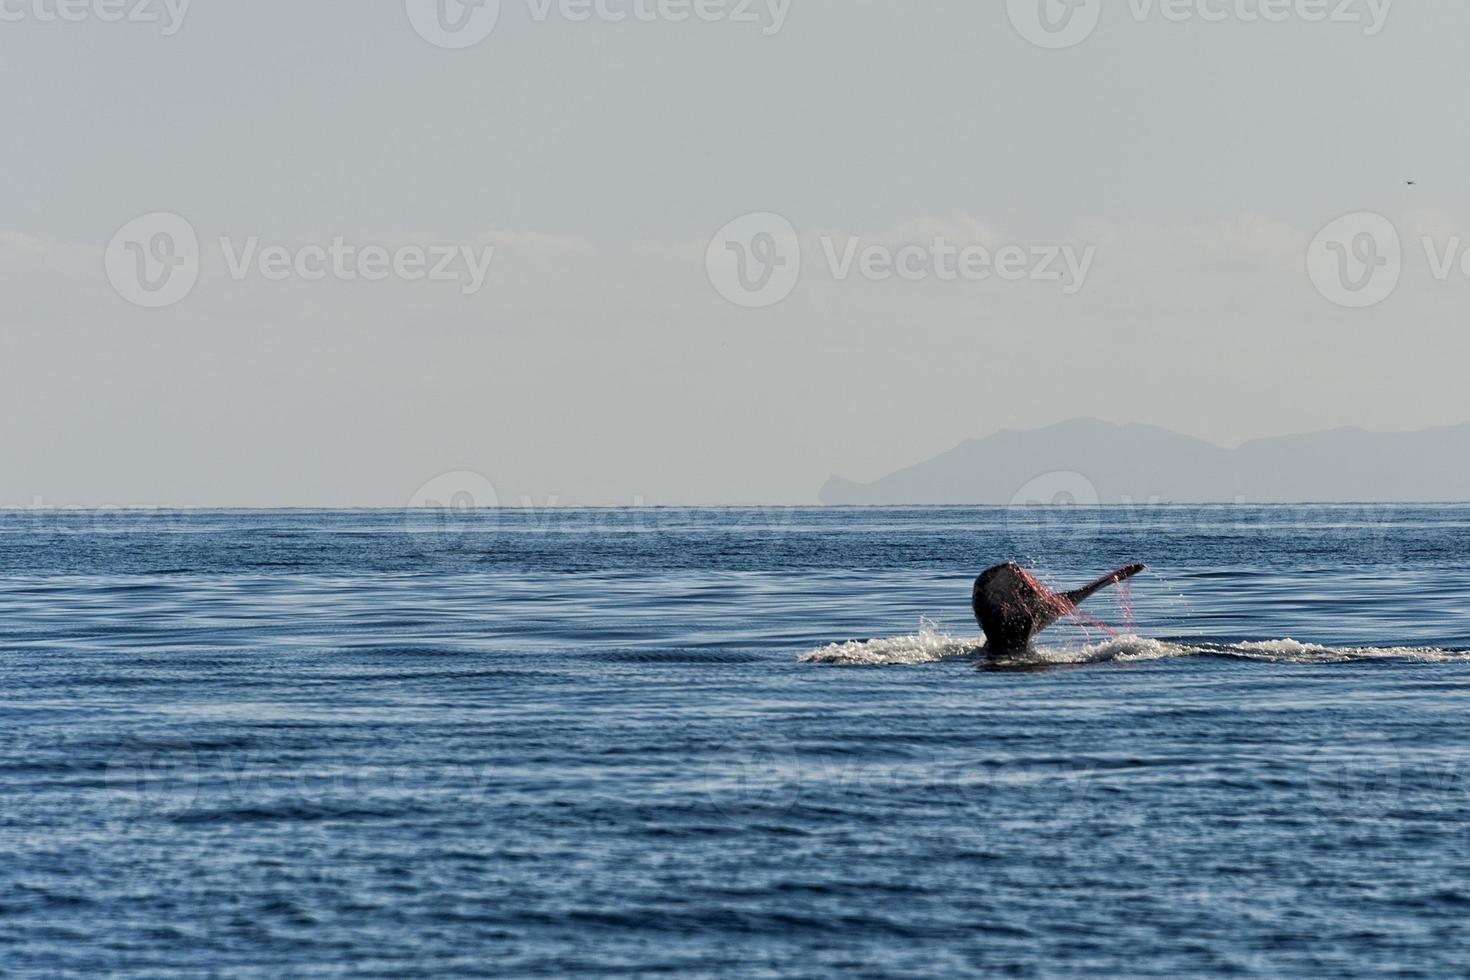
(1125, 649)
(1291, 651)
(930, 645)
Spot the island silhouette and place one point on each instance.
(1089, 461)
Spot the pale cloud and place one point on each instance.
(689, 250)
(957, 229)
(18, 241)
(537, 244)
(1245, 237)
(1429, 223)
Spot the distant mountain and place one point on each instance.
(1090, 461)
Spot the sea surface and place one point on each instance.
(732, 743)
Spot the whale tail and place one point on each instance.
(1012, 606)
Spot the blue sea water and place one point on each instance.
(732, 743)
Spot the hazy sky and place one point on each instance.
(1188, 153)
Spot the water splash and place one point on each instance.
(1123, 597)
(930, 645)
(1067, 611)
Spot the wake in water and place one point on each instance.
(927, 646)
(931, 645)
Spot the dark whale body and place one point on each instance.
(1012, 606)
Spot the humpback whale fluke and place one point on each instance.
(1012, 606)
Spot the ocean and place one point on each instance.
(732, 742)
